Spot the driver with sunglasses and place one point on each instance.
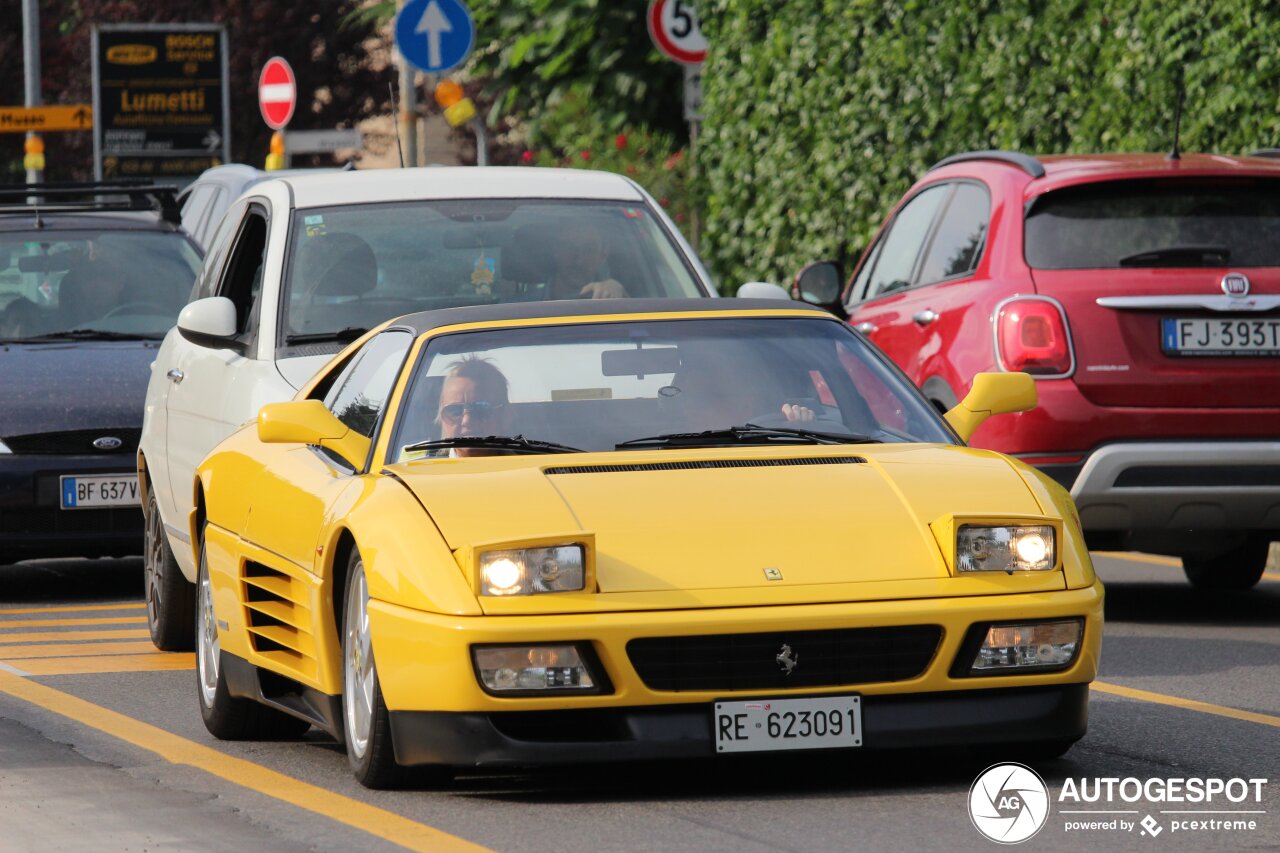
(473, 401)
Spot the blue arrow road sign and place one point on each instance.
(434, 35)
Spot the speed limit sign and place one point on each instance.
(673, 26)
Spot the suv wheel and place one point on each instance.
(171, 601)
(1239, 568)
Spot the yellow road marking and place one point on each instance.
(1135, 557)
(1189, 704)
(137, 605)
(1271, 575)
(64, 636)
(65, 650)
(58, 623)
(88, 664)
(362, 816)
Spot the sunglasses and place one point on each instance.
(479, 410)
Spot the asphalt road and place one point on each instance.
(102, 748)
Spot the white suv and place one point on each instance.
(300, 266)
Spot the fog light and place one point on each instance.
(541, 668)
(1042, 645)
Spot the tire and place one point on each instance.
(171, 599)
(225, 716)
(366, 723)
(1240, 568)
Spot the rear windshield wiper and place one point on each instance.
(1178, 256)
(346, 336)
(514, 443)
(89, 335)
(746, 434)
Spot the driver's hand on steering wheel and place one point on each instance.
(796, 412)
(610, 288)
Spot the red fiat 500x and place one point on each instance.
(1142, 292)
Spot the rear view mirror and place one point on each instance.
(209, 322)
(992, 394)
(57, 262)
(639, 362)
(819, 284)
(309, 422)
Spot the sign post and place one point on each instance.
(435, 36)
(160, 103)
(673, 26)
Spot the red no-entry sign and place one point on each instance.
(277, 93)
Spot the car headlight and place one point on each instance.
(4, 448)
(1005, 548)
(539, 668)
(528, 571)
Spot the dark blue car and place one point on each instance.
(91, 278)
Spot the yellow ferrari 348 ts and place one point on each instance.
(601, 530)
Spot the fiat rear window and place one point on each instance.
(1156, 223)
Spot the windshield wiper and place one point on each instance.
(89, 335)
(515, 443)
(746, 434)
(1178, 256)
(346, 336)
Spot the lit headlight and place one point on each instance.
(1022, 548)
(4, 448)
(1033, 646)
(536, 668)
(526, 571)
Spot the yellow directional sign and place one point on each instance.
(40, 119)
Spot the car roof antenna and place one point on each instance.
(395, 120)
(1176, 154)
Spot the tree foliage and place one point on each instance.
(820, 115)
(335, 58)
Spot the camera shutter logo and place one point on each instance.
(1008, 803)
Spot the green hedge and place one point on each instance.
(820, 114)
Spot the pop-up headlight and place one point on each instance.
(1005, 548)
(528, 571)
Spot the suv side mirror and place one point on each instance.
(309, 422)
(761, 290)
(209, 322)
(992, 394)
(820, 284)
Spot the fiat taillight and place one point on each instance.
(1032, 337)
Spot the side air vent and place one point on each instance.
(278, 617)
(704, 463)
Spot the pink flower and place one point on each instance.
(527, 157)
(585, 154)
(620, 141)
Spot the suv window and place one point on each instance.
(958, 240)
(901, 247)
(1156, 223)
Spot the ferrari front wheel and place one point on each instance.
(225, 716)
(366, 723)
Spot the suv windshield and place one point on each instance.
(1156, 223)
(109, 283)
(356, 266)
(672, 383)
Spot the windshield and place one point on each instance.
(356, 266)
(109, 283)
(595, 386)
(1156, 223)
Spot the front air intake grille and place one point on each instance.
(699, 464)
(76, 442)
(758, 661)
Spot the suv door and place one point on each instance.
(914, 294)
(215, 389)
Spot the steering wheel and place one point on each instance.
(133, 308)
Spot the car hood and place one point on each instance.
(717, 519)
(52, 387)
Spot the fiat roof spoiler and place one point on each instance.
(1025, 162)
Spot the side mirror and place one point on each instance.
(820, 284)
(992, 394)
(309, 422)
(209, 322)
(761, 290)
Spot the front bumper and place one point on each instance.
(33, 525)
(959, 718)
